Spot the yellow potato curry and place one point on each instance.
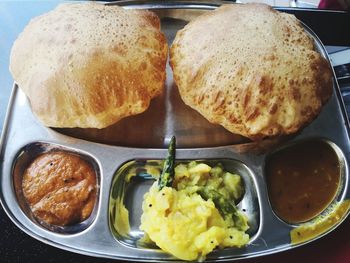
(197, 214)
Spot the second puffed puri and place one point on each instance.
(251, 69)
(89, 65)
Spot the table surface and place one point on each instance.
(16, 246)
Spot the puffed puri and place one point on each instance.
(89, 65)
(251, 69)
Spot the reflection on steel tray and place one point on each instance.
(111, 151)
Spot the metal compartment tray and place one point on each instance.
(112, 149)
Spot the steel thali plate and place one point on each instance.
(144, 137)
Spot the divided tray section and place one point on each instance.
(57, 185)
(133, 179)
(268, 230)
(127, 178)
(306, 183)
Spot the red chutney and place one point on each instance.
(302, 180)
(60, 188)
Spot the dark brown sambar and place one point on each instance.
(302, 180)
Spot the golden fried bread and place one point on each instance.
(89, 65)
(251, 69)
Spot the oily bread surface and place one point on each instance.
(251, 69)
(88, 65)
